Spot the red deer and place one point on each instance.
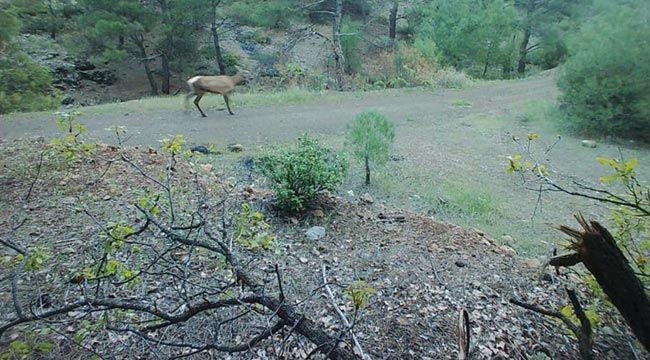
(222, 84)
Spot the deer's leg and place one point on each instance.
(225, 98)
(196, 102)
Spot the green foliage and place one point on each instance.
(604, 83)
(350, 45)
(360, 292)
(48, 17)
(10, 25)
(25, 85)
(590, 313)
(629, 209)
(298, 174)
(273, 14)
(29, 348)
(467, 34)
(173, 146)
(71, 144)
(251, 230)
(370, 135)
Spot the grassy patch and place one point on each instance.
(540, 112)
(461, 103)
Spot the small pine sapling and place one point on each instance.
(370, 136)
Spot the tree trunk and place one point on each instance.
(138, 40)
(339, 59)
(523, 52)
(215, 39)
(392, 20)
(367, 161)
(597, 250)
(487, 60)
(166, 74)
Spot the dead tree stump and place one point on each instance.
(596, 249)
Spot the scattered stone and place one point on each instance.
(589, 143)
(303, 259)
(367, 198)
(68, 200)
(531, 263)
(106, 198)
(507, 239)
(248, 162)
(67, 100)
(318, 213)
(100, 76)
(315, 232)
(236, 147)
(396, 157)
(507, 250)
(200, 149)
(460, 264)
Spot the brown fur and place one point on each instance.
(222, 84)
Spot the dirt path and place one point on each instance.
(284, 122)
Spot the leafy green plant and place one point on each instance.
(359, 291)
(604, 83)
(350, 45)
(25, 85)
(298, 174)
(71, 145)
(461, 103)
(627, 198)
(251, 230)
(370, 135)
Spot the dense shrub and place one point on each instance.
(350, 45)
(604, 83)
(25, 85)
(300, 173)
(269, 14)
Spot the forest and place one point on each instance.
(355, 179)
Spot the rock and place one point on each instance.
(531, 263)
(83, 65)
(236, 147)
(589, 143)
(315, 232)
(100, 76)
(507, 239)
(69, 200)
(67, 100)
(367, 198)
(507, 250)
(460, 264)
(396, 157)
(200, 149)
(248, 162)
(303, 259)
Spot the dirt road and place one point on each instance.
(282, 122)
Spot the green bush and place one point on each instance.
(269, 14)
(25, 85)
(604, 83)
(350, 46)
(300, 173)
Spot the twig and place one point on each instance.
(38, 174)
(341, 315)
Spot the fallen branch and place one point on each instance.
(582, 332)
